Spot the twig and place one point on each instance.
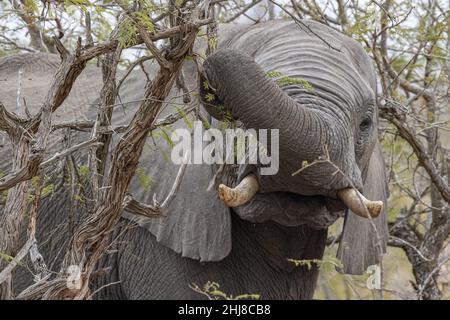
(83, 145)
(22, 174)
(6, 272)
(87, 21)
(178, 179)
(35, 256)
(404, 242)
(88, 125)
(103, 287)
(9, 122)
(136, 207)
(19, 88)
(391, 112)
(428, 278)
(133, 206)
(131, 68)
(243, 10)
(302, 24)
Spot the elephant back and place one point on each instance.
(25, 80)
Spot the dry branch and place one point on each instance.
(393, 113)
(29, 156)
(9, 122)
(6, 272)
(90, 239)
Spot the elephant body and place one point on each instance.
(257, 264)
(246, 249)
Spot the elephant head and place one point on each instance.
(319, 91)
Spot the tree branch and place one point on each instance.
(391, 111)
(6, 272)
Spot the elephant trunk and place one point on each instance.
(258, 102)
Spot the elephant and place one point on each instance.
(314, 85)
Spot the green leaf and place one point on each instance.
(212, 290)
(212, 42)
(210, 97)
(206, 85)
(77, 197)
(144, 179)
(319, 262)
(83, 171)
(47, 190)
(31, 6)
(127, 33)
(144, 20)
(185, 117)
(283, 80)
(82, 4)
(166, 133)
(4, 196)
(5, 257)
(274, 74)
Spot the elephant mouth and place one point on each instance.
(249, 187)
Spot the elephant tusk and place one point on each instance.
(356, 202)
(241, 194)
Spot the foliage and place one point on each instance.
(320, 263)
(127, 33)
(144, 179)
(283, 80)
(212, 290)
(83, 170)
(46, 189)
(6, 257)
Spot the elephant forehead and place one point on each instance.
(325, 60)
(36, 73)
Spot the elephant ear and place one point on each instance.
(361, 246)
(196, 224)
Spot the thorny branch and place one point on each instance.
(91, 236)
(30, 152)
(156, 209)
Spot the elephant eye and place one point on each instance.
(365, 124)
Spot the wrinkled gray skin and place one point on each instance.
(246, 249)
